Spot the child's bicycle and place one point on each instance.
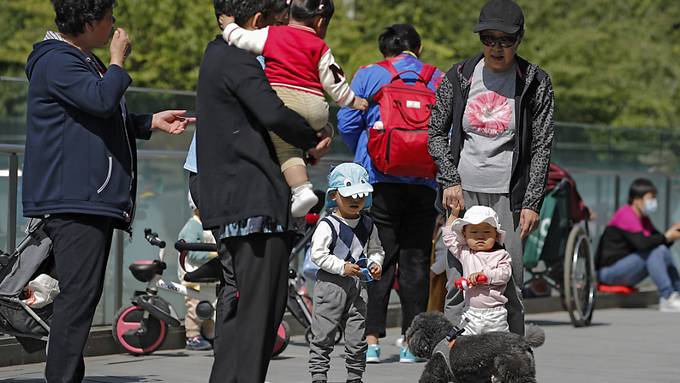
(141, 328)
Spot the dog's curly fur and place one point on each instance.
(491, 357)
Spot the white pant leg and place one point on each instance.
(486, 320)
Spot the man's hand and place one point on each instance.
(352, 270)
(376, 271)
(321, 149)
(360, 104)
(225, 20)
(120, 47)
(171, 121)
(528, 222)
(452, 198)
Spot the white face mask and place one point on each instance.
(650, 206)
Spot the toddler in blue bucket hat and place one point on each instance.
(346, 248)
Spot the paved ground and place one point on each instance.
(622, 346)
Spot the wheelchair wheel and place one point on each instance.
(579, 278)
(137, 333)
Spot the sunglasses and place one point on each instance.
(506, 41)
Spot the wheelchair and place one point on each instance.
(559, 254)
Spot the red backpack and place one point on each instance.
(400, 149)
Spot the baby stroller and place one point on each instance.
(18, 316)
(558, 252)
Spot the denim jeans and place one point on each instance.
(656, 263)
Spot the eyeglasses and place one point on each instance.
(505, 41)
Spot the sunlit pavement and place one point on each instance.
(622, 345)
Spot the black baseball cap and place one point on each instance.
(501, 15)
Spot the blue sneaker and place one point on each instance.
(198, 343)
(373, 353)
(405, 356)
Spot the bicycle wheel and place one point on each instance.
(579, 278)
(282, 338)
(137, 333)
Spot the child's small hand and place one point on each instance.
(352, 270)
(478, 279)
(376, 271)
(453, 214)
(360, 104)
(225, 20)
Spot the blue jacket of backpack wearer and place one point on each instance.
(81, 154)
(353, 124)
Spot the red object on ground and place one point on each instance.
(616, 289)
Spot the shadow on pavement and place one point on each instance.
(549, 323)
(102, 379)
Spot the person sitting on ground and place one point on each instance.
(299, 66)
(631, 248)
(477, 241)
(193, 232)
(346, 248)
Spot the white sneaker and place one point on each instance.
(303, 200)
(399, 342)
(670, 304)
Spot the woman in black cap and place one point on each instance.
(500, 110)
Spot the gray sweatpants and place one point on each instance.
(509, 221)
(338, 301)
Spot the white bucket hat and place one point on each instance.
(476, 215)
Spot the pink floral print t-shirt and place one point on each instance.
(488, 131)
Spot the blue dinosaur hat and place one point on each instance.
(349, 179)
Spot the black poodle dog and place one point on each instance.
(491, 357)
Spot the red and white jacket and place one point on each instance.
(295, 58)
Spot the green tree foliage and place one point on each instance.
(612, 62)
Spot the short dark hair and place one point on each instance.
(243, 10)
(639, 188)
(73, 15)
(398, 38)
(307, 10)
(274, 8)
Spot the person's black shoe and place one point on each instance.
(355, 381)
(319, 381)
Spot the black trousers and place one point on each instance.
(404, 215)
(81, 245)
(245, 331)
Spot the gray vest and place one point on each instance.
(348, 243)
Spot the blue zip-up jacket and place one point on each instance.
(353, 124)
(80, 141)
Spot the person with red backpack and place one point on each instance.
(390, 141)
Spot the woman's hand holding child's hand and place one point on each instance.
(352, 270)
(376, 271)
(360, 104)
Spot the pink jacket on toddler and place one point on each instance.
(494, 264)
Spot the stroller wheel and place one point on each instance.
(135, 333)
(338, 334)
(282, 338)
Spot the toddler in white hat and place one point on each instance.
(477, 241)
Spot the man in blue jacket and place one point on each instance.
(80, 164)
(403, 207)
